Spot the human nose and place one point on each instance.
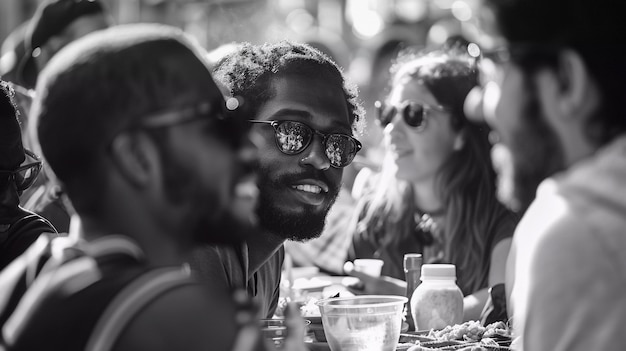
(316, 155)
(394, 129)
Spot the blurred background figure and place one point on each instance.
(360, 36)
(12, 53)
(436, 192)
(55, 24)
(19, 167)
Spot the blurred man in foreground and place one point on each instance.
(304, 117)
(554, 92)
(153, 164)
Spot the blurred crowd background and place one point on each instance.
(362, 36)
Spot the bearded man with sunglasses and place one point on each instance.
(304, 114)
(138, 134)
(554, 93)
(19, 168)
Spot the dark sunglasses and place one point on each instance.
(24, 176)
(413, 114)
(294, 137)
(230, 126)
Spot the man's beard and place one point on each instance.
(292, 225)
(535, 151)
(204, 219)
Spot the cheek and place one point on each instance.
(433, 148)
(272, 161)
(508, 107)
(268, 152)
(219, 176)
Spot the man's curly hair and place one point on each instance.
(249, 70)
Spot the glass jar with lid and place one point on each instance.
(437, 301)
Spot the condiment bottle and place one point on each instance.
(437, 302)
(412, 272)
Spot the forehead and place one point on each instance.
(318, 101)
(407, 88)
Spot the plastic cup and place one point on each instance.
(362, 323)
(275, 330)
(369, 266)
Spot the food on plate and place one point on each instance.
(469, 331)
(468, 336)
(310, 309)
(472, 331)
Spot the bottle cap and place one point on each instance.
(438, 272)
(412, 261)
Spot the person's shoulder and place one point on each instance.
(217, 265)
(31, 223)
(553, 232)
(505, 222)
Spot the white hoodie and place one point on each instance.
(570, 263)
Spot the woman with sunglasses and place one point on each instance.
(436, 192)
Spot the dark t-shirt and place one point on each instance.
(365, 245)
(228, 266)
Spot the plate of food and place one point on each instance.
(469, 335)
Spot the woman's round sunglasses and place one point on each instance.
(413, 114)
(24, 176)
(294, 137)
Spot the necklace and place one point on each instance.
(425, 223)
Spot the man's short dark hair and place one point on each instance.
(248, 71)
(99, 85)
(594, 29)
(11, 148)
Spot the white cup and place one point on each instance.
(369, 266)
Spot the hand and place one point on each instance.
(295, 329)
(370, 285)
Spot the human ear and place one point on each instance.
(135, 157)
(576, 85)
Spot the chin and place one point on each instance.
(292, 225)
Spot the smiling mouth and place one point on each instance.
(313, 189)
(310, 192)
(403, 153)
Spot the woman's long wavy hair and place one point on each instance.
(465, 182)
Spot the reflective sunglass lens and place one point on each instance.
(292, 137)
(24, 178)
(340, 150)
(413, 115)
